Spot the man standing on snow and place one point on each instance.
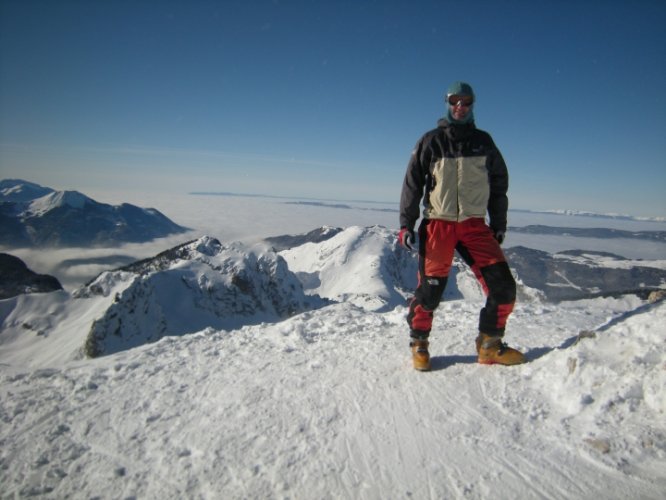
(460, 174)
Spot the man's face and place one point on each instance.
(460, 106)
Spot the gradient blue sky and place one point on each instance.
(327, 99)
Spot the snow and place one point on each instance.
(374, 274)
(325, 403)
(16, 190)
(57, 199)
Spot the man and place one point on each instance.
(460, 174)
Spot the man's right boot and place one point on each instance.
(492, 351)
(420, 354)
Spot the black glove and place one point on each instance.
(499, 236)
(407, 238)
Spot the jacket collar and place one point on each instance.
(456, 131)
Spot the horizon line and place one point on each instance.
(565, 212)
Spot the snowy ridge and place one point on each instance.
(368, 267)
(359, 265)
(57, 199)
(203, 284)
(15, 190)
(198, 285)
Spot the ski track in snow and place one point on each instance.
(326, 405)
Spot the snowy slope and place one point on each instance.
(198, 285)
(57, 199)
(325, 404)
(40, 330)
(367, 266)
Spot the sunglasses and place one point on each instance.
(465, 100)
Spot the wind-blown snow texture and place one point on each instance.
(325, 404)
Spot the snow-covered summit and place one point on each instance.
(57, 199)
(17, 190)
(33, 216)
(198, 285)
(368, 267)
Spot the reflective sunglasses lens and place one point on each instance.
(466, 100)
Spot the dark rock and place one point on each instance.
(16, 278)
(318, 235)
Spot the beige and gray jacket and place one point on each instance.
(459, 174)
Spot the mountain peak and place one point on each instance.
(57, 199)
(34, 216)
(17, 190)
(197, 285)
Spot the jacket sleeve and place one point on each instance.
(412, 188)
(498, 203)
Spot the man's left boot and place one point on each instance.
(492, 351)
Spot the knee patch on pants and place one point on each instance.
(500, 282)
(430, 291)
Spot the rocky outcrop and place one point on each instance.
(16, 278)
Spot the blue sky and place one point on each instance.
(327, 99)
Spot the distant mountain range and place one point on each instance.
(577, 274)
(35, 216)
(344, 204)
(581, 213)
(590, 232)
(569, 275)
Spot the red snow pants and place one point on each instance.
(475, 243)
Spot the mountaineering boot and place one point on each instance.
(420, 354)
(493, 351)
